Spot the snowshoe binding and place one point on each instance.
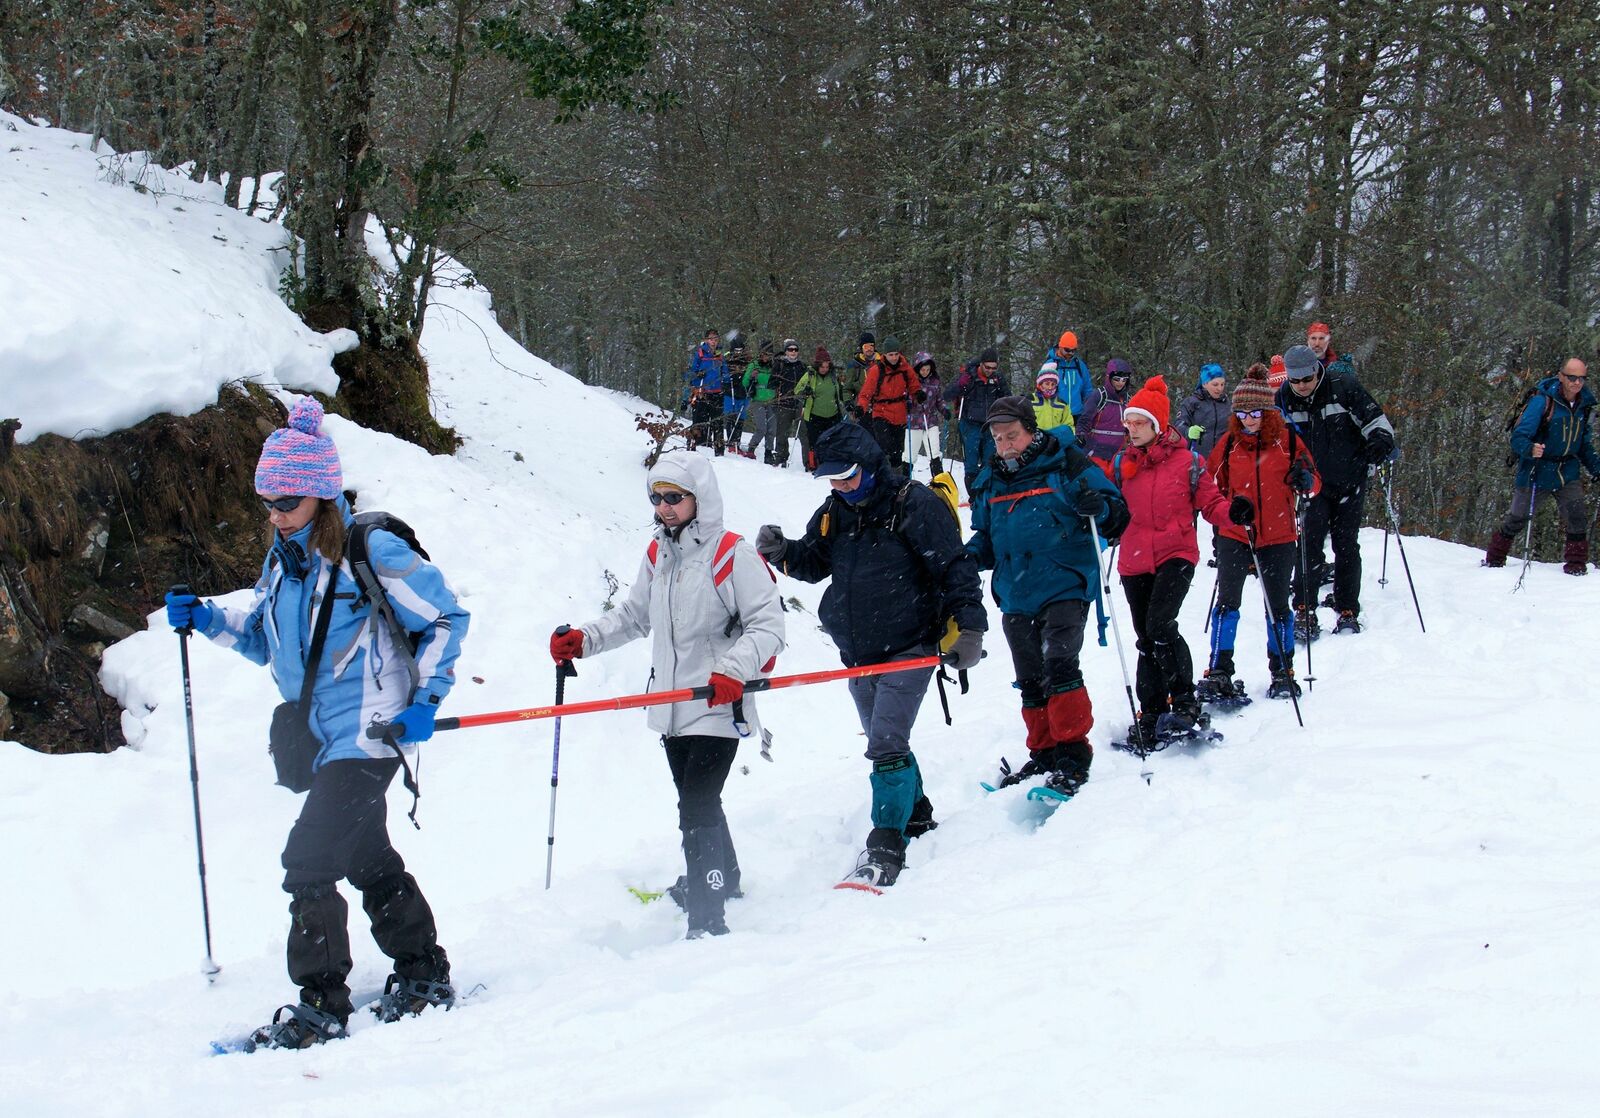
(880, 863)
(1283, 686)
(1348, 622)
(407, 997)
(296, 1026)
(1221, 691)
(1061, 785)
(1306, 626)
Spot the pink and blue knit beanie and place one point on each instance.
(299, 460)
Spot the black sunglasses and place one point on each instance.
(1250, 414)
(670, 497)
(1308, 378)
(281, 504)
(1575, 380)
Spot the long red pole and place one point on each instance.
(656, 698)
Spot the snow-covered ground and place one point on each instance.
(1391, 911)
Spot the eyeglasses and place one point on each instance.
(670, 497)
(1250, 414)
(281, 504)
(1307, 379)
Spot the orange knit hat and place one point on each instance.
(1069, 340)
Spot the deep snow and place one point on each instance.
(1391, 911)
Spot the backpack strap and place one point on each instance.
(372, 591)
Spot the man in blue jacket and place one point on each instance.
(707, 374)
(1550, 439)
(899, 576)
(1030, 526)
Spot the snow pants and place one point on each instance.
(705, 416)
(887, 706)
(1276, 567)
(977, 447)
(891, 437)
(1569, 503)
(342, 832)
(700, 765)
(1044, 651)
(764, 430)
(813, 429)
(1336, 512)
(786, 418)
(921, 443)
(1166, 670)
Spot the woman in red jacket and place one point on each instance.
(1165, 484)
(1262, 467)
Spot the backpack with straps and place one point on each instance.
(1196, 468)
(1542, 431)
(358, 552)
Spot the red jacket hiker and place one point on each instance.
(1256, 467)
(886, 393)
(1165, 484)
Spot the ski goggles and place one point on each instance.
(669, 497)
(281, 504)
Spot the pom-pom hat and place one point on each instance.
(1152, 403)
(1254, 393)
(299, 460)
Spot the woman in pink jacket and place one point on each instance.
(1165, 484)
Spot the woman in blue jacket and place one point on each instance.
(361, 678)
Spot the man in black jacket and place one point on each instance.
(899, 576)
(1348, 436)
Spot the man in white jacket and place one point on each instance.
(712, 611)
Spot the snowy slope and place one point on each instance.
(130, 290)
(1391, 911)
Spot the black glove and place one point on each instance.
(770, 543)
(1241, 511)
(921, 396)
(1090, 502)
(856, 413)
(966, 651)
(1379, 450)
(1301, 479)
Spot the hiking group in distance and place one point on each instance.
(1054, 477)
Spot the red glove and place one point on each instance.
(724, 690)
(566, 646)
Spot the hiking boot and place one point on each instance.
(1499, 548)
(880, 863)
(1283, 685)
(1576, 557)
(1306, 626)
(1181, 721)
(407, 997)
(1348, 622)
(922, 820)
(1214, 686)
(297, 1026)
(1144, 730)
(1067, 781)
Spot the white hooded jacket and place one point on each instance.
(675, 601)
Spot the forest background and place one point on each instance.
(1179, 181)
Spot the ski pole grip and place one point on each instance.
(182, 588)
(563, 667)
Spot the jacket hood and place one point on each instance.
(688, 470)
(1551, 386)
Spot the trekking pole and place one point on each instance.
(659, 698)
(1394, 521)
(564, 668)
(1527, 543)
(1383, 571)
(209, 968)
(1212, 605)
(1116, 631)
(1300, 549)
(1272, 621)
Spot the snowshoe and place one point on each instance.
(407, 997)
(880, 863)
(1221, 692)
(1348, 622)
(718, 927)
(1283, 686)
(296, 1026)
(1183, 727)
(1061, 785)
(1306, 626)
(1007, 777)
(1575, 568)
(1328, 602)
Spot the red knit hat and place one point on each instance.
(1152, 403)
(1278, 372)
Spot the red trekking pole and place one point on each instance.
(657, 698)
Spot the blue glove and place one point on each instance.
(185, 611)
(415, 722)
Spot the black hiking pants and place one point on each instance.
(1166, 670)
(1335, 512)
(1275, 565)
(342, 833)
(700, 765)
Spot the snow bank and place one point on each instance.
(129, 290)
